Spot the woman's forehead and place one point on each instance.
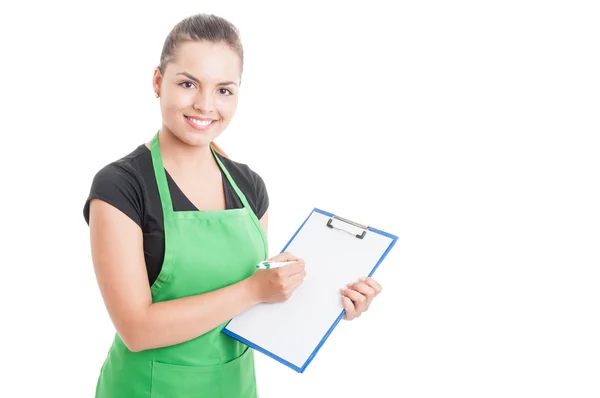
(207, 61)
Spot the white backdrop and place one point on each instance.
(468, 128)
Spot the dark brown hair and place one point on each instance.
(202, 27)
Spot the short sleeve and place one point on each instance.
(262, 196)
(119, 187)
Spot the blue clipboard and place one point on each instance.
(359, 232)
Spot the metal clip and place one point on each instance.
(365, 228)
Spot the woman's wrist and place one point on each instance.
(251, 290)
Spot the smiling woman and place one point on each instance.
(198, 94)
(176, 230)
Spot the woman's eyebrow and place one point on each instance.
(226, 83)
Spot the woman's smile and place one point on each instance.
(199, 123)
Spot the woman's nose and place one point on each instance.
(204, 102)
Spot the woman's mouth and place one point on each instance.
(199, 123)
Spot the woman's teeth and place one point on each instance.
(201, 122)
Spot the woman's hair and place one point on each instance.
(202, 27)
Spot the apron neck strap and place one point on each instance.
(161, 177)
(237, 190)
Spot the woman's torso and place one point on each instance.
(129, 184)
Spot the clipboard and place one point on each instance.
(336, 251)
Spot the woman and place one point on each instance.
(177, 229)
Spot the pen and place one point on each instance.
(272, 264)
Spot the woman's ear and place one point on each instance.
(156, 80)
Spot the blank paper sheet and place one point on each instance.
(293, 330)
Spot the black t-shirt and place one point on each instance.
(129, 184)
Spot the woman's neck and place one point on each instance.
(177, 154)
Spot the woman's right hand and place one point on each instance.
(277, 284)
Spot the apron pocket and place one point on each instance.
(239, 379)
(170, 381)
(230, 380)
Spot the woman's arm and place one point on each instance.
(118, 257)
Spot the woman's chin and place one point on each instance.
(196, 138)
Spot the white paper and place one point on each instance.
(293, 329)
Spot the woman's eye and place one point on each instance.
(187, 84)
(225, 91)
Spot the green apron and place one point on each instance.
(204, 251)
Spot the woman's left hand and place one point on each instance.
(357, 297)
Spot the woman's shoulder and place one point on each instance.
(243, 173)
(127, 169)
(250, 183)
(121, 183)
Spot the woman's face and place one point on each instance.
(199, 91)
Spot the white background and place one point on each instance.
(468, 128)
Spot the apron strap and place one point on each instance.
(163, 186)
(237, 190)
(244, 202)
(161, 176)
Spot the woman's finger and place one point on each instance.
(363, 288)
(295, 281)
(285, 256)
(372, 283)
(360, 301)
(349, 307)
(295, 268)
